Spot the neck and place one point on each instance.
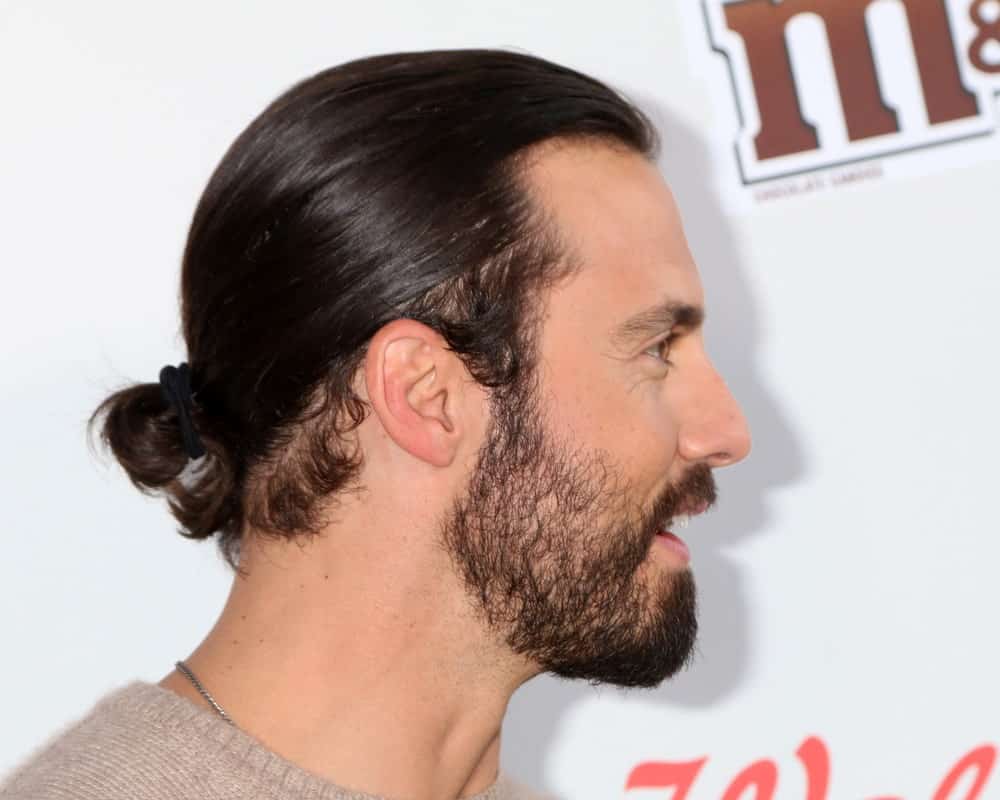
(375, 679)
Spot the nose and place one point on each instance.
(713, 429)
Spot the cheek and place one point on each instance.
(630, 420)
(651, 429)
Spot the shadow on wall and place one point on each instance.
(732, 334)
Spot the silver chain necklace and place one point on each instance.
(187, 673)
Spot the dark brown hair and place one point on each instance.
(386, 187)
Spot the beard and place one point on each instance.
(555, 555)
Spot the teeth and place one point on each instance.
(677, 523)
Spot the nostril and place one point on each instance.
(722, 460)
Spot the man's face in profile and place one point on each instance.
(556, 537)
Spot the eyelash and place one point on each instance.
(658, 347)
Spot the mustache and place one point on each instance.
(695, 488)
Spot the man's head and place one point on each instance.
(615, 434)
(439, 291)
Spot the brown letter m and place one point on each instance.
(783, 131)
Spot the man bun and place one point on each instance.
(143, 432)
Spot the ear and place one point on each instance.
(415, 386)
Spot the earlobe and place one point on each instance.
(408, 386)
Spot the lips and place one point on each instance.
(669, 540)
(674, 544)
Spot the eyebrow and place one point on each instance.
(656, 319)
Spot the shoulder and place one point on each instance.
(123, 748)
(62, 757)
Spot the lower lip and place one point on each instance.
(674, 544)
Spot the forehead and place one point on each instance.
(618, 215)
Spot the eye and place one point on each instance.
(660, 350)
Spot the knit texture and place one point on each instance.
(144, 742)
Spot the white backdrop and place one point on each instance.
(848, 576)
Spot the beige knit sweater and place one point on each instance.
(144, 742)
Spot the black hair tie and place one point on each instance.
(175, 383)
